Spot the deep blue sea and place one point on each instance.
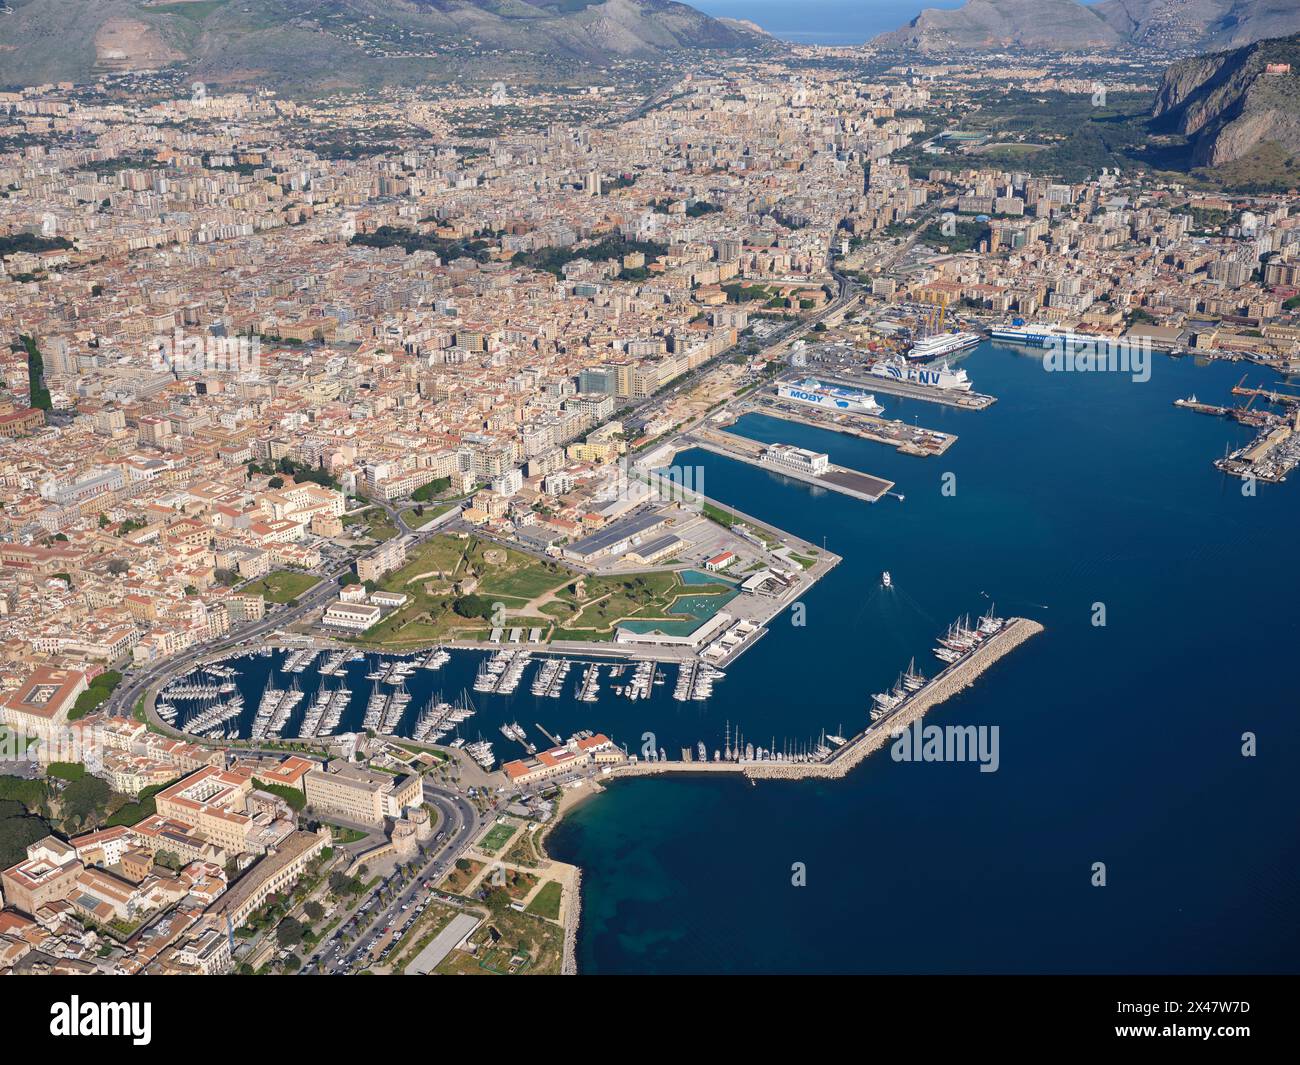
(1118, 744)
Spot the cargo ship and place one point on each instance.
(941, 376)
(817, 394)
(941, 344)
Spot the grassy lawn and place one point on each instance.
(518, 883)
(342, 834)
(546, 903)
(538, 946)
(431, 511)
(435, 572)
(637, 595)
(282, 586)
(378, 525)
(523, 852)
(430, 575)
(498, 836)
(381, 526)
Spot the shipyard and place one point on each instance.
(1275, 451)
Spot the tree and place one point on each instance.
(18, 830)
(342, 884)
(289, 932)
(118, 567)
(472, 606)
(314, 911)
(86, 800)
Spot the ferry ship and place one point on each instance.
(817, 394)
(1039, 334)
(941, 376)
(941, 344)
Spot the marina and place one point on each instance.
(911, 700)
(322, 703)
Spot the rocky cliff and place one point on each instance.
(1230, 103)
(1200, 24)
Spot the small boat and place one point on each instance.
(886, 580)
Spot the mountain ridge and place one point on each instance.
(326, 44)
(1231, 103)
(1175, 25)
(998, 24)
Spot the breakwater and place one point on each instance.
(957, 677)
(943, 686)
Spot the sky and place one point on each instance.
(823, 21)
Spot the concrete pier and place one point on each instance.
(948, 397)
(908, 439)
(943, 686)
(836, 478)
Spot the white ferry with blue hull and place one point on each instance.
(941, 376)
(941, 345)
(1040, 334)
(817, 394)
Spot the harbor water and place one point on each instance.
(1077, 497)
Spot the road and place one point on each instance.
(122, 701)
(459, 823)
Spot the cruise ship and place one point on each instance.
(814, 392)
(941, 376)
(942, 344)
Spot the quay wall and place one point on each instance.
(943, 687)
